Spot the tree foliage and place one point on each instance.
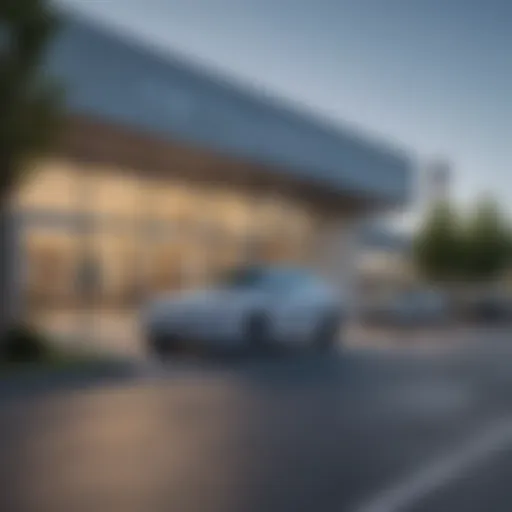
(30, 100)
(437, 248)
(487, 243)
(478, 249)
(31, 110)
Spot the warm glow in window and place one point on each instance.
(112, 192)
(235, 212)
(51, 266)
(51, 185)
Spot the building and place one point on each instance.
(385, 264)
(167, 176)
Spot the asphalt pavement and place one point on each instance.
(358, 430)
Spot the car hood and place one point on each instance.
(204, 298)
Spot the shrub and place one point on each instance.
(23, 344)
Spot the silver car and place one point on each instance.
(251, 308)
(414, 308)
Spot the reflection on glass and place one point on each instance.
(113, 194)
(170, 235)
(165, 261)
(51, 185)
(117, 258)
(51, 265)
(233, 212)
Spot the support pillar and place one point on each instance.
(335, 258)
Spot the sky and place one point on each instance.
(431, 76)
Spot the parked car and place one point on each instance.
(413, 308)
(253, 307)
(489, 309)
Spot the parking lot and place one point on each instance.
(365, 430)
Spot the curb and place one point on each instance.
(36, 381)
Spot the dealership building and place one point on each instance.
(167, 175)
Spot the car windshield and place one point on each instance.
(266, 278)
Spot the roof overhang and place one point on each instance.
(126, 84)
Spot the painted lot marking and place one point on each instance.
(442, 471)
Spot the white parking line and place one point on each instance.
(410, 491)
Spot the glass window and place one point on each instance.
(51, 266)
(165, 269)
(112, 193)
(270, 279)
(118, 266)
(173, 235)
(171, 202)
(51, 185)
(234, 212)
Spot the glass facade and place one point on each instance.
(113, 236)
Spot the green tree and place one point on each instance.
(487, 243)
(438, 245)
(30, 112)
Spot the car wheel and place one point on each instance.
(327, 332)
(161, 346)
(257, 332)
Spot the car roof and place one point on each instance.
(280, 270)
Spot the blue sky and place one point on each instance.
(433, 76)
